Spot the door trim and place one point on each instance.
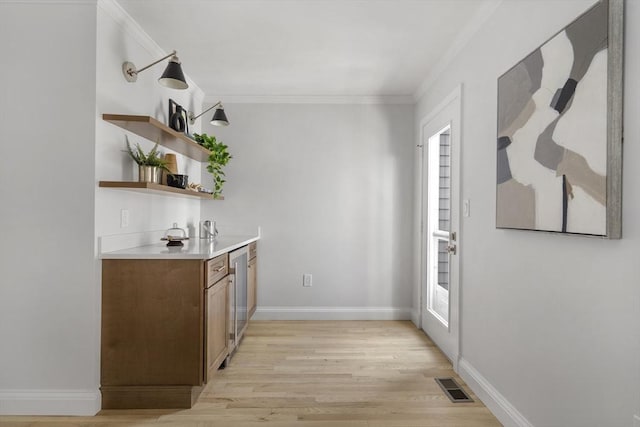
(454, 314)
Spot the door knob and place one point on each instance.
(452, 249)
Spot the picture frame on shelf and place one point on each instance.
(178, 118)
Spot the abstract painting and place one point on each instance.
(559, 131)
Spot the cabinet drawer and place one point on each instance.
(253, 250)
(217, 268)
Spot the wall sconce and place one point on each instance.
(219, 117)
(172, 77)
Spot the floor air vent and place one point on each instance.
(454, 392)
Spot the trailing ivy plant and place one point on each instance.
(218, 158)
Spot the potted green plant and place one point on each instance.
(218, 158)
(150, 165)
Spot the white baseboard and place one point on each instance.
(50, 402)
(332, 313)
(503, 410)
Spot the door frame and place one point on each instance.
(454, 293)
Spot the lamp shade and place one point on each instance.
(173, 77)
(219, 118)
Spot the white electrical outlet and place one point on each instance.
(124, 218)
(307, 280)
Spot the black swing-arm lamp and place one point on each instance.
(219, 117)
(173, 77)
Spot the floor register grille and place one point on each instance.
(454, 392)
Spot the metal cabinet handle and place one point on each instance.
(220, 269)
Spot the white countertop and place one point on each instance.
(192, 249)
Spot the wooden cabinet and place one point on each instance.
(251, 287)
(166, 328)
(252, 279)
(217, 268)
(217, 313)
(152, 333)
(217, 297)
(231, 321)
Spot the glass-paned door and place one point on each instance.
(440, 193)
(439, 224)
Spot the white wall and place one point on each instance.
(550, 322)
(47, 131)
(66, 73)
(330, 187)
(120, 39)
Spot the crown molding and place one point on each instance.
(133, 29)
(463, 39)
(311, 99)
(130, 26)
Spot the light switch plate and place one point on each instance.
(466, 207)
(307, 280)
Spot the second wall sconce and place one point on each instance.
(219, 117)
(173, 77)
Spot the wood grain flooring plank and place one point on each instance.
(315, 374)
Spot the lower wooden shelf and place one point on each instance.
(151, 188)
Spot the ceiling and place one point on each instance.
(309, 47)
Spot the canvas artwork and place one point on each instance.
(555, 145)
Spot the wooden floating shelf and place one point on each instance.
(151, 188)
(156, 131)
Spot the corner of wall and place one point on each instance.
(120, 37)
(464, 37)
(503, 410)
(133, 29)
(415, 317)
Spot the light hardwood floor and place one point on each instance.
(315, 373)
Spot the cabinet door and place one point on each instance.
(252, 286)
(253, 250)
(217, 318)
(152, 329)
(231, 314)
